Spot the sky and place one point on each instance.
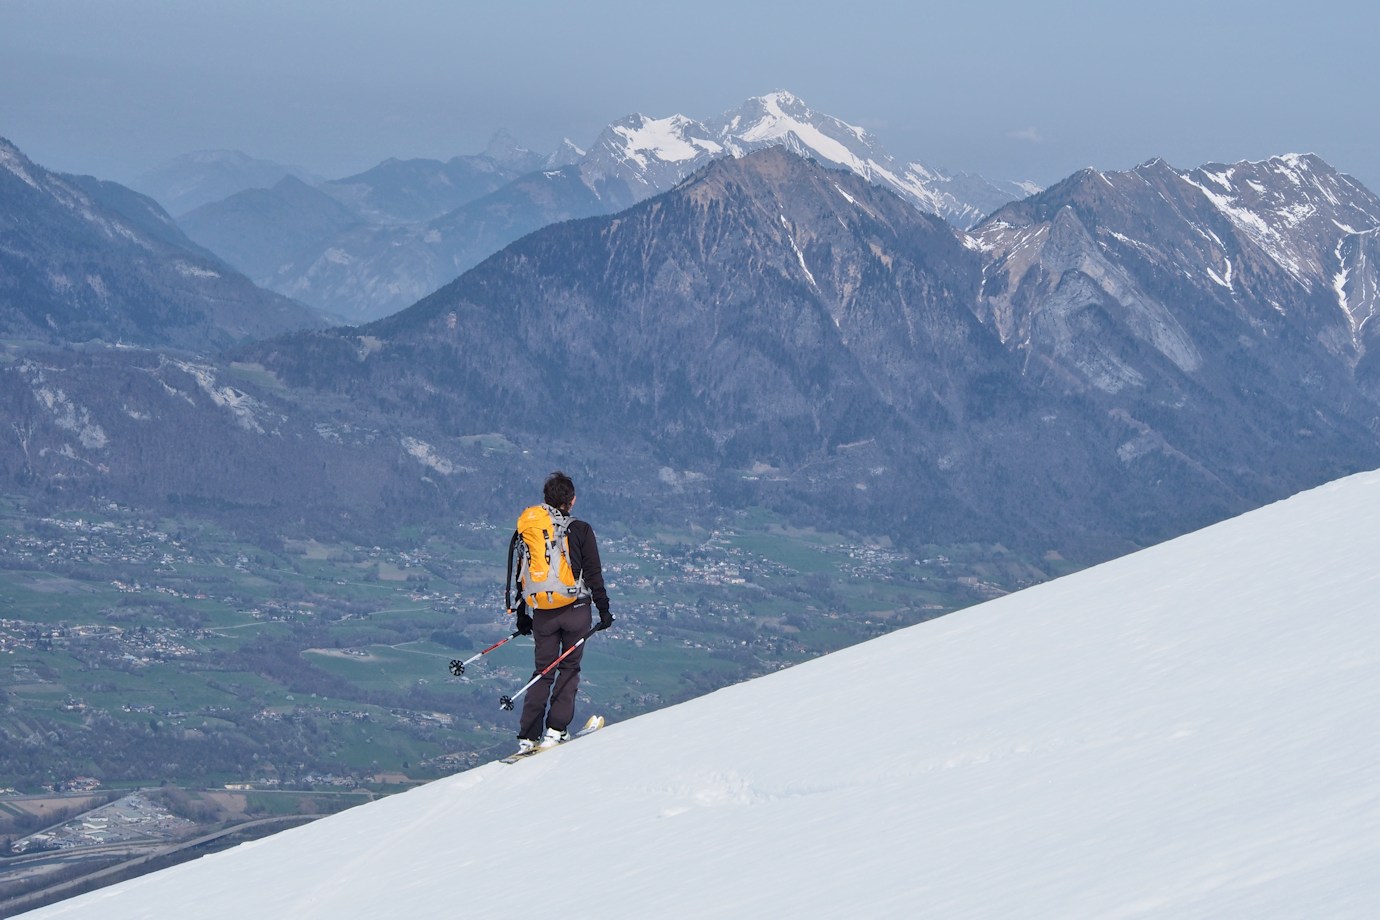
(1185, 732)
(1011, 89)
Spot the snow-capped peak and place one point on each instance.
(669, 140)
(650, 155)
(782, 118)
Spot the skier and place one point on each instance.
(550, 705)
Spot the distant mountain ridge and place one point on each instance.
(423, 223)
(1278, 246)
(652, 155)
(1100, 366)
(85, 260)
(261, 230)
(408, 191)
(772, 315)
(203, 176)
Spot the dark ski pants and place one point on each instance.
(554, 632)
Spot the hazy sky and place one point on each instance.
(1014, 90)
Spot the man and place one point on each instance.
(550, 704)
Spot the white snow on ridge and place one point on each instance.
(1268, 237)
(799, 255)
(777, 125)
(1187, 732)
(1354, 282)
(189, 270)
(664, 139)
(13, 161)
(652, 155)
(1339, 281)
(1289, 206)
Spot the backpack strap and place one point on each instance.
(511, 581)
(562, 522)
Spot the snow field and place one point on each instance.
(1185, 732)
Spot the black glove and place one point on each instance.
(605, 619)
(524, 622)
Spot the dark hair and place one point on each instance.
(559, 491)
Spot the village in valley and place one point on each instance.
(169, 681)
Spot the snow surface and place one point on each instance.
(667, 139)
(1187, 732)
(776, 125)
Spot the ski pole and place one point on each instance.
(457, 667)
(506, 702)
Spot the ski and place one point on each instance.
(592, 725)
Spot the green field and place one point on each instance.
(146, 652)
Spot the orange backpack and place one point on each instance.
(544, 579)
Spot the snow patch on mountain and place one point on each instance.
(1292, 206)
(1266, 235)
(652, 155)
(671, 140)
(772, 124)
(799, 255)
(783, 119)
(188, 270)
(13, 161)
(1356, 282)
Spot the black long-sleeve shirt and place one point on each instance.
(584, 560)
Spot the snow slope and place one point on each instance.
(1185, 732)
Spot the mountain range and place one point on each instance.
(204, 176)
(421, 223)
(1179, 733)
(1120, 358)
(82, 260)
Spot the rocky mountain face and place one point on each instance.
(83, 260)
(1115, 360)
(1200, 309)
(1107, 274)
(422, 223)
(199, 437)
